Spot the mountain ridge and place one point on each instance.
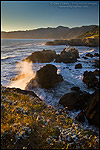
(59, 32)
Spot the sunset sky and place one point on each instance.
(28, 15)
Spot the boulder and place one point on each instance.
(75, 88)
(80, 117)
(92, 110)
(46, 77)
(78, 66)
(75, 100)
(89, 55)
(44, 56)
(68, 55)
(90, 79)
(96, 72)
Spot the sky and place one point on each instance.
(29, 15)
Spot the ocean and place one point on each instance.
(15, 50)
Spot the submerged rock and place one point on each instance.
(90, 79)
(68, 55)
(46, 77)
(78, 66)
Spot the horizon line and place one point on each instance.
(50, 27)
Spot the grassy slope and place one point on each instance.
(91, 34)
(28, 123)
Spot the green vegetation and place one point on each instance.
(28, 123)
(94, 33)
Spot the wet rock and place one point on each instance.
(75, 100)
(44, 56)
(96, 72)
(68, 55)
(84, 57)
(96, 63)
(90, 79)
(89, 55)
(96, 54)
(80, 117)
(75, 88)
(92, 110)
(78, 66)
(47, 77)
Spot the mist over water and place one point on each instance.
(25, 75)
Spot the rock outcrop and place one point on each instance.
(75, 100)
(90, 79)
(46, 77)
(68, 55)
(44, 56)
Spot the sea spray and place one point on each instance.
(26, 73)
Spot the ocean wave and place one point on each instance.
(7, 57)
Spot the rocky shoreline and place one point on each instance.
(91, 42)
(27, 122)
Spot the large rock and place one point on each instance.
(44, 56)
(90, 79)
(68, 55)
(75, 100)
(92, 110)
(46, 77)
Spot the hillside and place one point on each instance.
(94, 33)
(28, 123)
(59, 32)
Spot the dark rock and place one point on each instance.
(75, 100)
(47, 77)
(80, 117)
(44, 56)
(96, 72)
(92, 110)
(89, 55)
(68, 55)
(96, 63)
(78, 66)
(18, 90)
(96, 54)
(75, 88)
(90, 79)
(57, 42)
(84, 57)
